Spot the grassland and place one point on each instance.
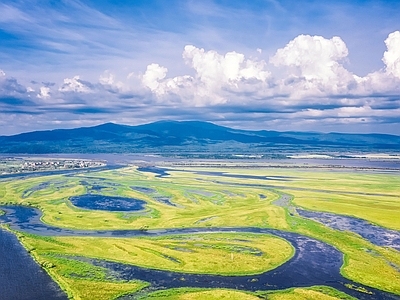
(208, 201)
(224, 254)
(314, 293)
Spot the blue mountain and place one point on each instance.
(187, 136)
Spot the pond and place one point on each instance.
(108, 203)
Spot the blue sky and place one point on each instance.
(262, 64)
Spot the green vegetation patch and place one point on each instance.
(212, 201)
(212, 253)
(312, 293)
(199, 294)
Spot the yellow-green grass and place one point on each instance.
(312, 293)
(381, 210)
(79, 280)
(199, 294)
(235, 206)
(220, 209)
(343, 192)
(92, 290)
(213, 253)
(364, 262)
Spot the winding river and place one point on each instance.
(314, 262)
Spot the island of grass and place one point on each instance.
(200, 197)
(213, 253)
(314, 293)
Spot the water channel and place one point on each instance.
(314, 262)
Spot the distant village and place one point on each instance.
(22, 165)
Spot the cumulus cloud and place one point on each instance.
(151, 78)
(307, 69)
(74, 84)
(107, 78)
(215, 74)
(386, 80)
(213, 68)
(305, 82)
(44, 92)
(313, 65)
(313, 57)
(391, 57)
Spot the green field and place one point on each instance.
(209, 201)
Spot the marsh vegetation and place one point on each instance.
(215, 223)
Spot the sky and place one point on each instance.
(327, 66)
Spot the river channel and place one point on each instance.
(314, 262)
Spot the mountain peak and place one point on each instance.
(183, 136)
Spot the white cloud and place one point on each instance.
(314, 56)
(107, 78)
(391, 57)
(74, 85)
(312, 65)
(306, 82)
(151, 78)
(215, 74)
(386, 80)
(308, 70)
(44, 93)
(215, 69)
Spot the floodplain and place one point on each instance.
(209, 232)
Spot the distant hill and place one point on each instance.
(188, 136)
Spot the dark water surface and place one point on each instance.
(160, 172)
(21, 278)
(142, 189)
(107, 203)
(375, 234)
(314, 262)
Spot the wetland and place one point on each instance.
(139, 231)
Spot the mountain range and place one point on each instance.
(189, 136)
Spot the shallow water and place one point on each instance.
(20, 276)
(143, 189)
(164, 200)
(160, 172)
(41, 186)
(241, 176)
(375, 234)
(108, 203)
(314, 262)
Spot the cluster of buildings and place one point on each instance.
(48, 165)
